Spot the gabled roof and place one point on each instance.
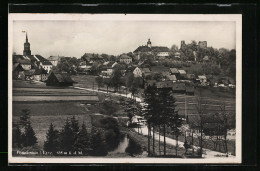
(178, 86)
(146, 70)
(142, 49)
(24, 61)
(54, 58)
(171, 77)
(203, 77)
(40, 71)
(124, 56)
(160, 49)
(182, 71)
(29, 72)
(46, 63)
(18, 67)
(174, 70)
(164, 84)
(63, 77)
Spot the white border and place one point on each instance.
(131, 17)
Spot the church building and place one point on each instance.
(27, 50)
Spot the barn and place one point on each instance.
(59, 79)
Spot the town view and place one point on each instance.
(150, 101)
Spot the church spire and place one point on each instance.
(26, 38)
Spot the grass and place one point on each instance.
(45, 109)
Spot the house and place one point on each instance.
(178, 88)
(174, 71)
(137, 72)
(177, 55)
(202, 78)
(146, 71)
(46, 65)
(182, 74)
(190, 90)
(54, 60)
(29, 74)
(59, 79)
(164, 84)
(191, 77)
(171, 77)
(26, 64)
(161, 51)
(18, 71)
(40, 74)
(125, 59)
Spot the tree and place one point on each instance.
(83, 142)
(66, 138)
(98, 144)
(99, 81)
(107, 82)
(116, 79)
(25, 117)
(167, 116)
(75, 130)
(29, 138)
(110, 107)
(17, 136)
(174, 48)
(52, 140)
(150, 109)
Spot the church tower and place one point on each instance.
(149, 43)
(26, 50)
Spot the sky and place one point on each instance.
(74, 38)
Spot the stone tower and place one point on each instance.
(26, 50)
(149, 43)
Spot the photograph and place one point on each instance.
(124, 88)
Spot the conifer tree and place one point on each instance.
(52, 140)
(17, 136)
(150, 110)
(98, 144)
(29, 138)
(83, 142)
(66, 138)
(75, 130)
(25, 117)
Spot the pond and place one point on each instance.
(127, 146)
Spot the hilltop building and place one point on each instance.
(159, 51)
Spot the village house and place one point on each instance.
(125, 59)
(40, 74)
(55, 60)
(171, 78)
(26, 64)
(59, 79)
(182, 74)
(164, 84)
(177, 55)
(29, 74)
(179, 88)
(202, 79)
(46, 65)
(174, 71)
(18, 71)
(137, 72)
